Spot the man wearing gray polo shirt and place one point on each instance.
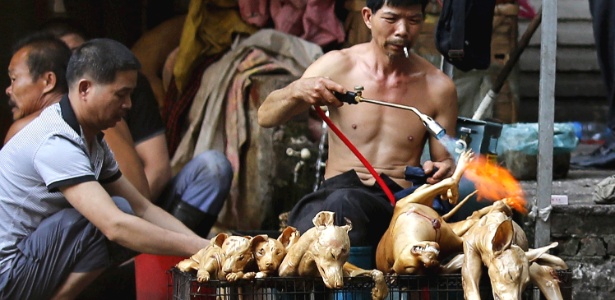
(57, 176)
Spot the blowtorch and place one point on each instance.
(355, 97)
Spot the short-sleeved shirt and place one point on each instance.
(49, 153)
(143, 118)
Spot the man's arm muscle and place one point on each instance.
(155, 158)
(93, 202)
(120, 141)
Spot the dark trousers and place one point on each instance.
(367, 207)
(64, 243)
(603, 16)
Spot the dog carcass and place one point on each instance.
(323, 251)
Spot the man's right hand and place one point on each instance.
(283, 104)
(317, 91)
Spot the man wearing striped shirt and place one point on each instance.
(57, 179)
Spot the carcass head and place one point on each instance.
(269, 252)
(509, 274)
(237, 253)
(416, 257)
(509, 266)
(331, 250)
(427, 253)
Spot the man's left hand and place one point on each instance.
(436, 171)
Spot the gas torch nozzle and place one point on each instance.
(431, 125)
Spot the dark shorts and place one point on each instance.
(367, 207)
(64, 243)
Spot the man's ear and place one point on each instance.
(84, 87)
(367, 16)
(50, 81)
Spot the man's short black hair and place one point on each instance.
(47, 54)
(101, 59)
(375, 5)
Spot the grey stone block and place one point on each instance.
(592, 279)
(610, 245)
(568, 248)
(592, 246)
(582, 220)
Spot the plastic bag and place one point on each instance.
(523, 137)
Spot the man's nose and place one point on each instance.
(128, 103)
(402, 28)
(8, 90)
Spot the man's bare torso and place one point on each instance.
(389, 138)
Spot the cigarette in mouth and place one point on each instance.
(406, 51)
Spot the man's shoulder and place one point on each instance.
(41, 130)
(336, 61)
(434, 75)
(333, 55)
(50, 122)
(351, 52)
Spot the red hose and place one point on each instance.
(358, 154)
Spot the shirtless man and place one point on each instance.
(390, 139)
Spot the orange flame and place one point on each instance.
(495, 183)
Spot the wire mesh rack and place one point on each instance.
(401, 287)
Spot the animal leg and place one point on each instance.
(192, 263)
(426, 195)
(471, 271)
(295, 253)
(289, 265)
(231, 277)
(538, 253)
(462, 164)
(453, 266)
(449, 185)
(187, 265)
(380, 289)
(553, 261)
(544, 278)
(202, 276)
(207, 267)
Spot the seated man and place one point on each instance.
(197, 193)
(38, 78)
(390, 139)
(57, 182)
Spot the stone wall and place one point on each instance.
(586, 236)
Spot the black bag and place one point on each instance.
(463, 34)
